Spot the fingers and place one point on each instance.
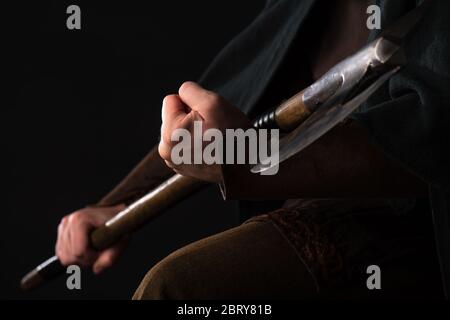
(108, 257)
(174, 111)
(173, 108)
(72, 245)
(193, 104)
(73, 241)
(61, 241)
(179, 111)
(79, 242)
(172, 114)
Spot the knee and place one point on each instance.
(166, 280)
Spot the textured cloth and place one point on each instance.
(409, 118)
(256, 260)
(338, 238)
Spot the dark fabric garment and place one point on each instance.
(147, 175)
(409, 117)
(243, 69)
(235, 264)
(338, 238)
(256, 260)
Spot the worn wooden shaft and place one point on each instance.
(291, 113)
(286, 117)
(147, 208)
(136, 215)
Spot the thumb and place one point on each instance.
(196, 97)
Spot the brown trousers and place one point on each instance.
(255, 261)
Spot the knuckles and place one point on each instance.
(169, 97)
(166, 135)
(163, 151)
(210, 105)
(77, 217)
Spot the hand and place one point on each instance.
(193, 103)
(72, 245)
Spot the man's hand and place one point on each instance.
(72, 245)
(193, 103)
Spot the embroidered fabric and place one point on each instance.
(338, 238)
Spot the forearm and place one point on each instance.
(343, 163)
(148, 174)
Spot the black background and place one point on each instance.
(82, 107)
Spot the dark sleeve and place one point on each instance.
(148, 174)
(410, 118)
(408, 121)
(343, 163)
